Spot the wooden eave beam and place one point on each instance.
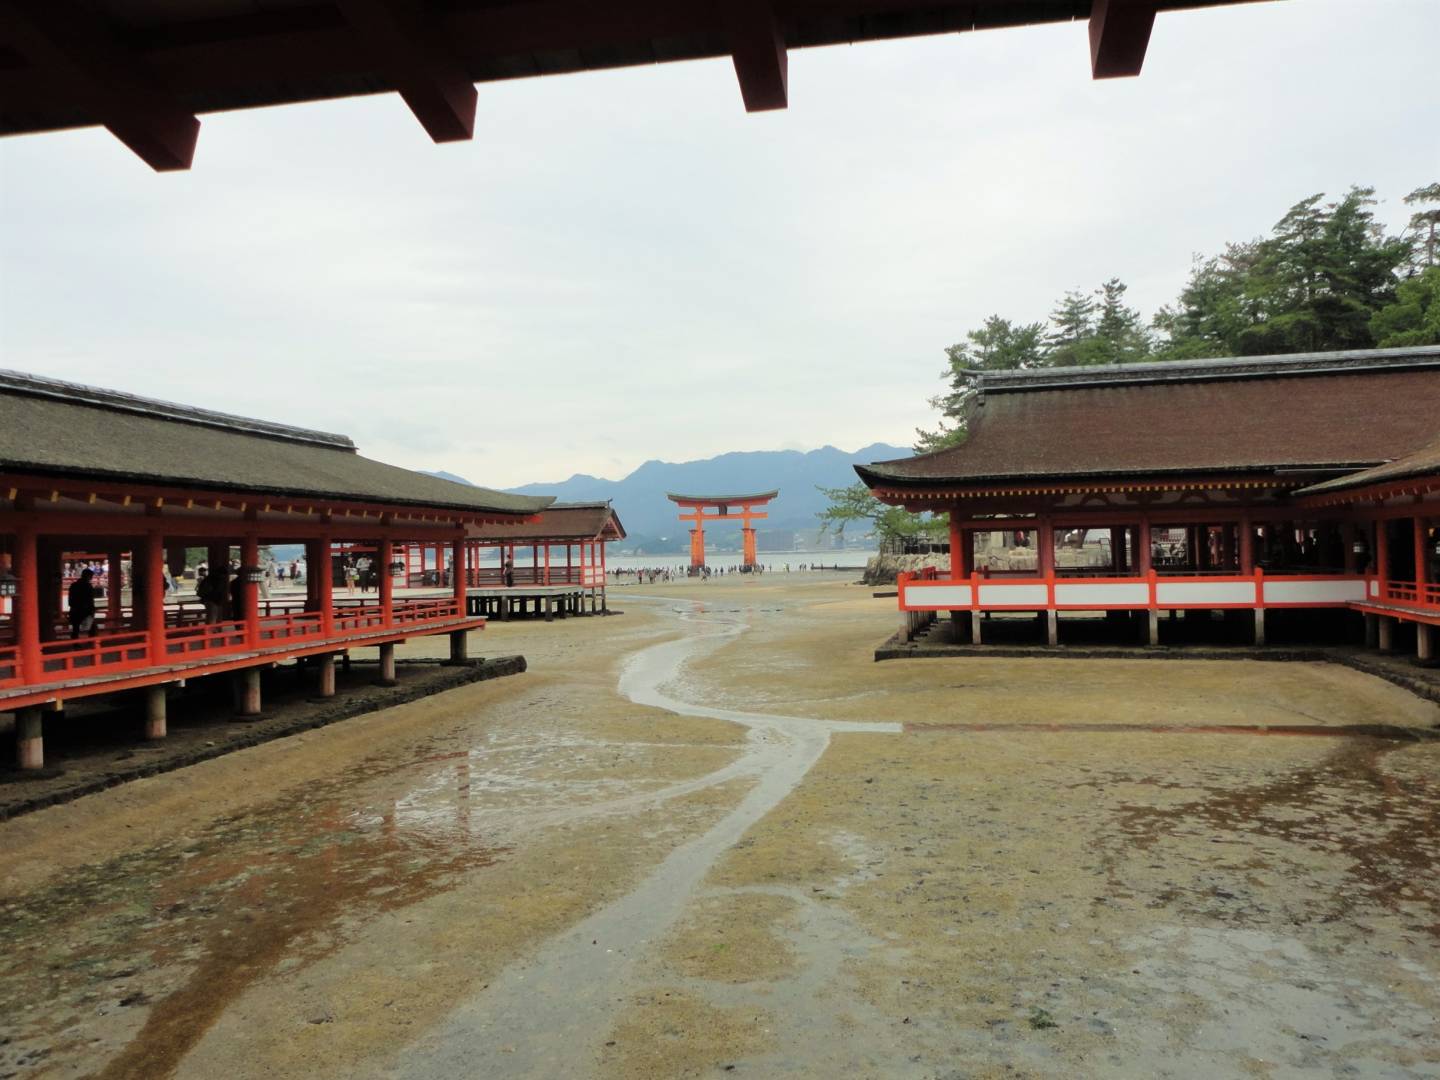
(410, 52)
(1119, 36)
(758, 48)
(95, 72)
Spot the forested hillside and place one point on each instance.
(1326, 277)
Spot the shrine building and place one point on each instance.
(95, 476)
(556, 562)
(1205, 491)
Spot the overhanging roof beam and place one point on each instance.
(409, 52)
(758, 48)
(95, 72)
(1119, 36)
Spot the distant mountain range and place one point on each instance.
(648, 515)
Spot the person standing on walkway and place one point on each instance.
(82, 604)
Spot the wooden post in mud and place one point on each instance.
(1386, 636)
(459, 646)
(248, 691)
(155, 712)
(29, 739)
(1372, 631)
(1424, 641)
(387, 664)
(326, 669)
(549, 607)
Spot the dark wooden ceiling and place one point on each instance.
(145, 69)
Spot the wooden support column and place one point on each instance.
(1425, 636)
(29, 739)
(1372, 631)
(457, 557)
(250, 596)
(27, 603)
(247, 689)
(326, 670)
(387, 664)
(1382, 559)
(1247, 547)
(1421, 558)
(1348, 533)
(114, 591)
(958, 569)
(1117, 549)
(322, 572)
(1386, 634)
(459, 646)
(150, 580)
(384, 554)
(1142, 548)
(155, 712)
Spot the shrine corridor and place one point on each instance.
(712, 837)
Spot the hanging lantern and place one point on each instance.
(252, 575)
(397, 568)
(1359, 547)
(9, 586)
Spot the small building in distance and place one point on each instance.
(556, 561)
(1225, 488)
(89, 474)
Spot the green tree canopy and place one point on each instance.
(854, 504)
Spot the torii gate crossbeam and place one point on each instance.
(725, 508)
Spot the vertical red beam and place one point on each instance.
(383, 555)
(1045, 539)
(114, 588)
(602, 561)
(1382, 556)
(152, 581)
(547, 562)
(1420, 575)
(457, 576)
(569, 567)
(249, 593)
(957, 554)
(1142, 548)
(323, 573)
(27, 603)
(1247, 547)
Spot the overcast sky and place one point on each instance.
(624, 265)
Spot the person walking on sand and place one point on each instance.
(82, 605)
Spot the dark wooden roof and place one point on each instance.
(57, 429)
(560, 521)
(146, 68)
(1423, 462)
(1326, 413)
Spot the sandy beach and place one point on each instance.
(713, 837)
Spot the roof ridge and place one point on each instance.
(19, 382)
(1225, 367)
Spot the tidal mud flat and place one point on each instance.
(714, 838)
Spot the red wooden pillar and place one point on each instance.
(322, 572)
(458, 576)
(1382, 556)
(569, 566)
(151, 579)
(114, 589)
(249, 593)
(1045, 541)
(1420, 561)
(547, 562)
(27, 603)
(957, 553)
(384, 553)
(1143, 564)
(1247, 547)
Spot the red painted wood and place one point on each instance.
(1119, 35)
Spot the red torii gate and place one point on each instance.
(723, 505)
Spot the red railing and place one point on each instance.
(62, 659)
(351, 620)
(204, 639)
(1406, 593)
(130, 650)
(1400, 592)
(293, 626)
(409, 612)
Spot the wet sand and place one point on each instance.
(713, 837)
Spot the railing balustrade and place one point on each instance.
(9, 665)
(62, 659)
